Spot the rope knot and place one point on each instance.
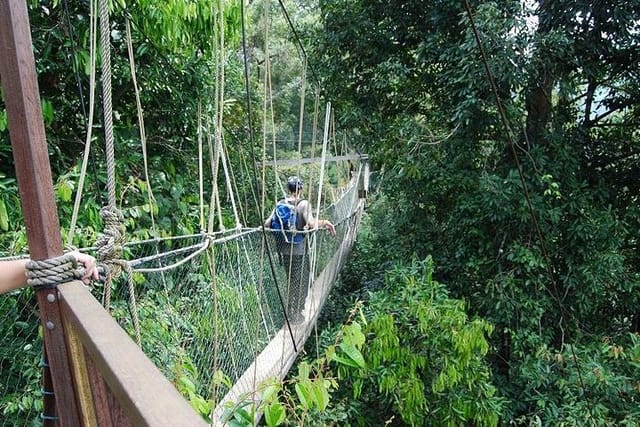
(110, 243)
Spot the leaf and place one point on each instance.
(303, 395)
(345, 361)
(353, 334)
(3, 120)
(4, 217)
(304, 370)
(274, 414)
(47, 111)
(242, 417)
(353, 353)
(65, 190)
(270, 392)
(321, 394)
(187, 384)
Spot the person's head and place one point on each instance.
(294, 184)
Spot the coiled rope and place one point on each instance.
(49, 273)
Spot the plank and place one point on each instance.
(33, 172)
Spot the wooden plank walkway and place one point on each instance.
(279, 355)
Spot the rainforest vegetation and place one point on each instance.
(496, 276)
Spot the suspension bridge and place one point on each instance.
(186, 329)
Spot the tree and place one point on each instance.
(532, 224)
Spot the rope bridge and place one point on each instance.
(210, 311)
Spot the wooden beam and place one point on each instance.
(26, 130)
(143, 392)
(295, 162)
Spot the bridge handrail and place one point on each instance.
(142, 392)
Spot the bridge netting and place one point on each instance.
(208, 309)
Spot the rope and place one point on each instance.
(109, 247)
(313, 247)
(132, 299)
(219, 106)
(110, 243)
(93, 29)
(49, 273)
(105, 33)
(214, 201)
(202, 248)
(212, 265)
(303, 90)
(200, 168)
(227, 176)
(143, 134)
(324, 156)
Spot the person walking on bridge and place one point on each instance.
(291, 215)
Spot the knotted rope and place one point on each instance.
(109, 247)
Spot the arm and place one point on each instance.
(316, 223)
(323, 223)
(13, 274)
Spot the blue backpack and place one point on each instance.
(286, 222)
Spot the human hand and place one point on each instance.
(330, 228)
(90, 267)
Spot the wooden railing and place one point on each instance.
(115, 383)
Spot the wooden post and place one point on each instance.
(33, 171)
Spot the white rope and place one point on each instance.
(227, 176)
(214, 201)
(143, 135)
(314, 134)
(303, 89)
(200, 167)
(324, 156)
(93, 29)
(203, 248)
(313, 251)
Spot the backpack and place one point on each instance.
(286, 222)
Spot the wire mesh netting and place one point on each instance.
(20, 361)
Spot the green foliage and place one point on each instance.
(182, 26)
(425, 360)
(551, 383)
(186, 378)
(20, 355)
(306, 396)
(543, 246)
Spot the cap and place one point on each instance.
(294, 183)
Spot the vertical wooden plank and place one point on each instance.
(78, 364)
(33, 171)
(100, 394)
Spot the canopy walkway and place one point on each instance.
(191, 327)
